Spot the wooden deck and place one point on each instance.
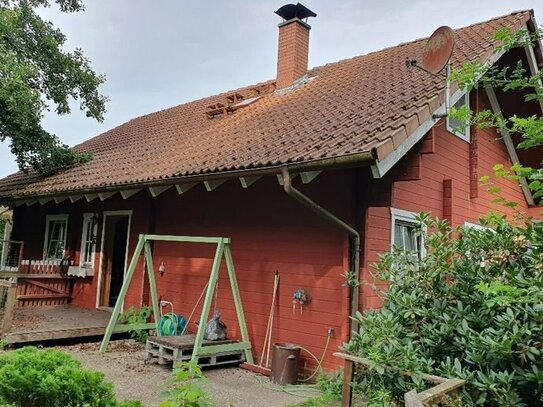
(60, 322)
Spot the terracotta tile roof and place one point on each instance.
(367, 104)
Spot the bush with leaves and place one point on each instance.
(471, 308)
(30, 377)
(136, 316)
(186, 390)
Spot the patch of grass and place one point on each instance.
(317, 402)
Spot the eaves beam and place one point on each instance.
(509, 143)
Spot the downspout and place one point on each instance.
(354, 244)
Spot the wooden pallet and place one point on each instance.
(173, 349)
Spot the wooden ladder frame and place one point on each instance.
(223, 250)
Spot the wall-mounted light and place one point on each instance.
(162, 268)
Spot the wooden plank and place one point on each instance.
(9, 307)
(46, 286)
(246, 182)
(156, 191)
(436, 393)
(186, 239)
(211, 185)
(412, 400)
(24, 276)
(309, 176)
(347, 389)
(207, 350)
(182, 188)
(237, 302)
(129, 192)
(372, 364)
(37, 336)
(183, 341)
(105, 195)
(40, 296)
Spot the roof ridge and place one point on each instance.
(401, 44)
(270, 81)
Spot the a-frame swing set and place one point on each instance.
(223, 250)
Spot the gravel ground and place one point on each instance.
(229, 387)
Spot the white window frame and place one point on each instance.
(48, 220)
(476, 226)
(466, 135)
(83, 250)
(404, 216)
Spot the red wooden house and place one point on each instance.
(357, 137)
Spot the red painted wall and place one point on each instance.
(269, 231)
(467, 200)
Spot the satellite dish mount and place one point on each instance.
(436, 57)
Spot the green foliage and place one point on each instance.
(36, 73)
(350, 279)
(471, 309)
(186, 391)
(131, 403)
(49, 378)
(330, 384)
(508, 79)
(134, 316)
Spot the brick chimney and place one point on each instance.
(293, 51)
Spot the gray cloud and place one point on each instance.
(157, 54)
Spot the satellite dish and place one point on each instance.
(438, 50)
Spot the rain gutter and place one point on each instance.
(355, 159)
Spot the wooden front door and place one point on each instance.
(113, 258)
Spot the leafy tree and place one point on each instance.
(35, 72)
(473, 75)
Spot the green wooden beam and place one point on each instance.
(187, 239)
(208, 299)
(214, 349)
(122, 294)
(237, 303)
(152, 284)
(133, 327)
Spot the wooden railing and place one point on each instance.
(443, 390)
(8, 298)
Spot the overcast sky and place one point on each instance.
(160, 53)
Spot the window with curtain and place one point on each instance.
(405, 232)
(55, 236)
(405, 236)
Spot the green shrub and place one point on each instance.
(49, 378)
(471, 308)
(186, 391)
(137, 316)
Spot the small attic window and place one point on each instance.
(455, 126)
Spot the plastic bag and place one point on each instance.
(215, 328)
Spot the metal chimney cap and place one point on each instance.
(290, 11)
